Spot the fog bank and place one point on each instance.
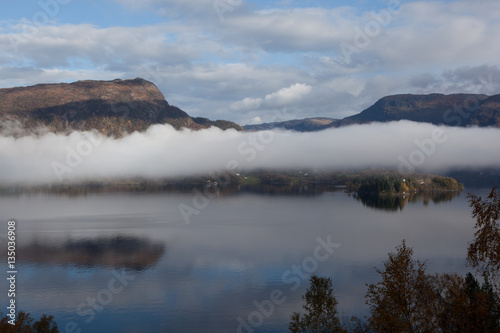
(164, 152)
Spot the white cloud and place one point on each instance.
(288, 95)
(116, 47)
(256, 120)
(436, 33)
(280, 98)
(247, 104)
(299, 29)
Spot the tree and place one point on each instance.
(24, 324)
(409, 300)
(46, 324)
(321, 309)
(404, 300)
(452, 303)
(484, 251)
(465, 305)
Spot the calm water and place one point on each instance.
(129, 262)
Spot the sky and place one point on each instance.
(257, 61)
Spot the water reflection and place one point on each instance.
(233, 254)
(223, 190)
(288, 190)
(397, 203)
(386, 203)
(121, 251)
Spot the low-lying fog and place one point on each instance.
(164, 152)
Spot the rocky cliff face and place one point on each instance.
(111, 107)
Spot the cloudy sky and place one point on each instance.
(256, 61)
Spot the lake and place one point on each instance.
(179, 261)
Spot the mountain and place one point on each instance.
(299, 125)
(451, 110)
(111, 107)
(123, 106)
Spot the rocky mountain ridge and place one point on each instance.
(112, 107)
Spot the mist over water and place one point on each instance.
(163, 151)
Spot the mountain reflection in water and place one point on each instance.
(121, 251)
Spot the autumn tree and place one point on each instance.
(484, 251)
(409, 300)
(464, 305)
(404, 300)
(321, 309)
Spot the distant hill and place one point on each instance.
(111, 107)
(299, 125)
(451, 110)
